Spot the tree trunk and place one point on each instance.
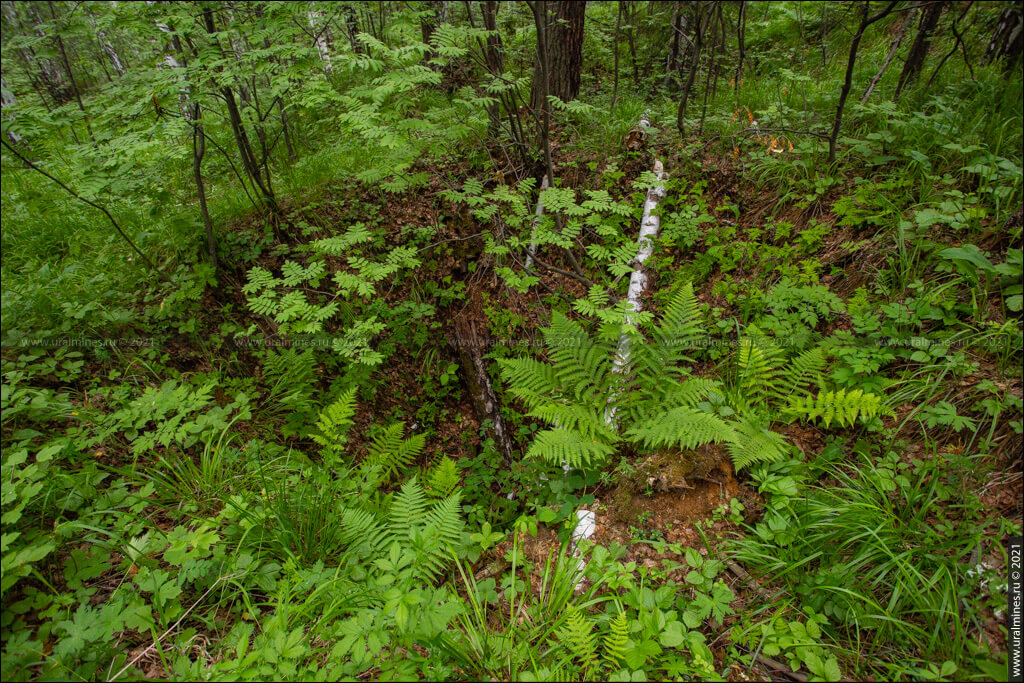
(238, 127)
(564, 47)
(695, 51)
(650, 223)
(493, 58)
(105, 46)
(741, 44)
(1007, 43)
(320, 34)
(893, 47)
(537, 215)
(673, 49)
(615, 49)
(352, 28)
(541, 78)
(930, 15)
(632, 44)
(198, 150)
(851, 62)
(71, 76)
(9, 101)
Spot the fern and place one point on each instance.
(577, 636)
(581, 385)
(389, 452)
(334, 422)
(565, 446)
(682, 427)
(842, 407)
(757, 366)
(755, 443)
(443, 478)
(291, 375)
(616, 641)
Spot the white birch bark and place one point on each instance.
(105, 45)
(321, 40)
(533, 229)
(650, 224)
(185, 90)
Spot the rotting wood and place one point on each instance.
(471, 345)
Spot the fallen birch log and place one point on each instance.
(650, 224)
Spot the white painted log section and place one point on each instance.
(537, 215)
(586, 525)
(650, 224)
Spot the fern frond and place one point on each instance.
(754, 443)
(757, 365)
(580, 362)
(362, 533)
(408, 507)
(578, 637)
(439, 534)
(334, 422)
(390, 452)
(443, 478)
(531, 380)
(616, 641)
(842, 407)
(581, 418)
(680, 327)
(805, 369)
(681, 427)
(563, 446)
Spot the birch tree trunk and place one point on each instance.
(322, 48)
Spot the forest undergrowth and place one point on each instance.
(510, 341)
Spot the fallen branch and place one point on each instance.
(533, 229)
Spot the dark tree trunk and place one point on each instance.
(741, 44)
(865, 21)
(564, 41)
(541, 80)
(493, 58)
(615, 50)
(1007, 41)
(893, 47)
(249, 162)
(71, 75)
(695, 54)
(930, 15)
(673, 47)
(198, 151)
(352, 28)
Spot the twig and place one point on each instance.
(174, 626)
(94, 205)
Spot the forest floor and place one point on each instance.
(654, 511)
